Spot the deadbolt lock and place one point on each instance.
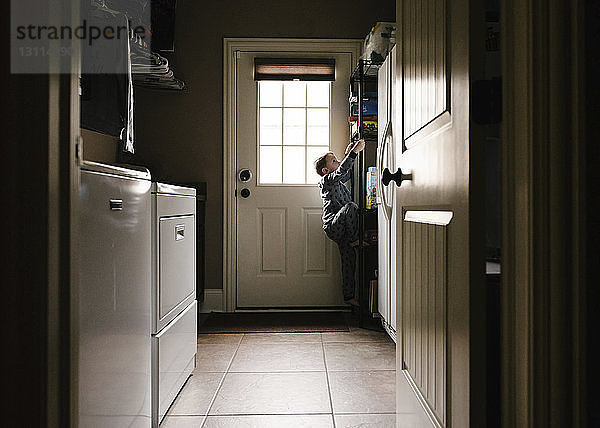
(245, 175)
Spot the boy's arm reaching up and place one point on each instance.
(346, 176)
(341, 173)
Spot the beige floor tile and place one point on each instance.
(224, 338)
(360, 356)
(278, 357)
(270, 421)
(363, 392)
(272, 393)
(182, 422)
(214, 357)
(356, 335)
(197, 394)
(282, 337)
(365, 421)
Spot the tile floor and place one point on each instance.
(290, 379)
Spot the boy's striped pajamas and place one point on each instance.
(340, 219)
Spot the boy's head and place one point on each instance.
(326, 163)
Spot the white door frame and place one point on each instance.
(230, 48)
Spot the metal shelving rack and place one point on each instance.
(364, 73)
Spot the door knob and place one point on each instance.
(398, 177)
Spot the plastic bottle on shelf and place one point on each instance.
(371, 187)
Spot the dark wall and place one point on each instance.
(179, 136)
(23, 266)
(592, 156)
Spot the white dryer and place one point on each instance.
(174, 307)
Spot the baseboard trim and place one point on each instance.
(213, 301)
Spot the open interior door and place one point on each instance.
(436, 337)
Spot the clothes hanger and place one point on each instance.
(101, 6)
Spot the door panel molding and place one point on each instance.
(441, 218)
(230, 48)
(318, 249)
(424, 308)
(272, 225)
(425, 80)
(438, 125)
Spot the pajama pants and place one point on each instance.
(343, 230)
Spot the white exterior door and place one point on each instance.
(284, 259)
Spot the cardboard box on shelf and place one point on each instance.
(369, 129)
(368, 126)
(369, 108)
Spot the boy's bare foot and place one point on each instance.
(352, 302)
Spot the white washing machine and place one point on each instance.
(174, 306)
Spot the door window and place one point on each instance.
(294, 129)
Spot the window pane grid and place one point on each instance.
(291, 145)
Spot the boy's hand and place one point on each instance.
(360, 144)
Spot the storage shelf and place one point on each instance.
(367, 138)
(363, 84)
(354, 99)
(369, 70)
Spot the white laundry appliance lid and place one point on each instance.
(172, 189)
(132, 171)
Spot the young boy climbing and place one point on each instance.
(340, 214)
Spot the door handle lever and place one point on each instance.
(116, 204)
(398, 177)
